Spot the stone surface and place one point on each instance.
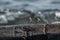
(29, 30)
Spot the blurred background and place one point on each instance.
(30, 4)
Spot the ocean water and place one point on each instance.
(34, 5)
(30, 4)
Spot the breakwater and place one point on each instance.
(31, 31)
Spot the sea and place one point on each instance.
(34, 5)
(30, 4)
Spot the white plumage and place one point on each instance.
(3, 19)
(57, 14)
